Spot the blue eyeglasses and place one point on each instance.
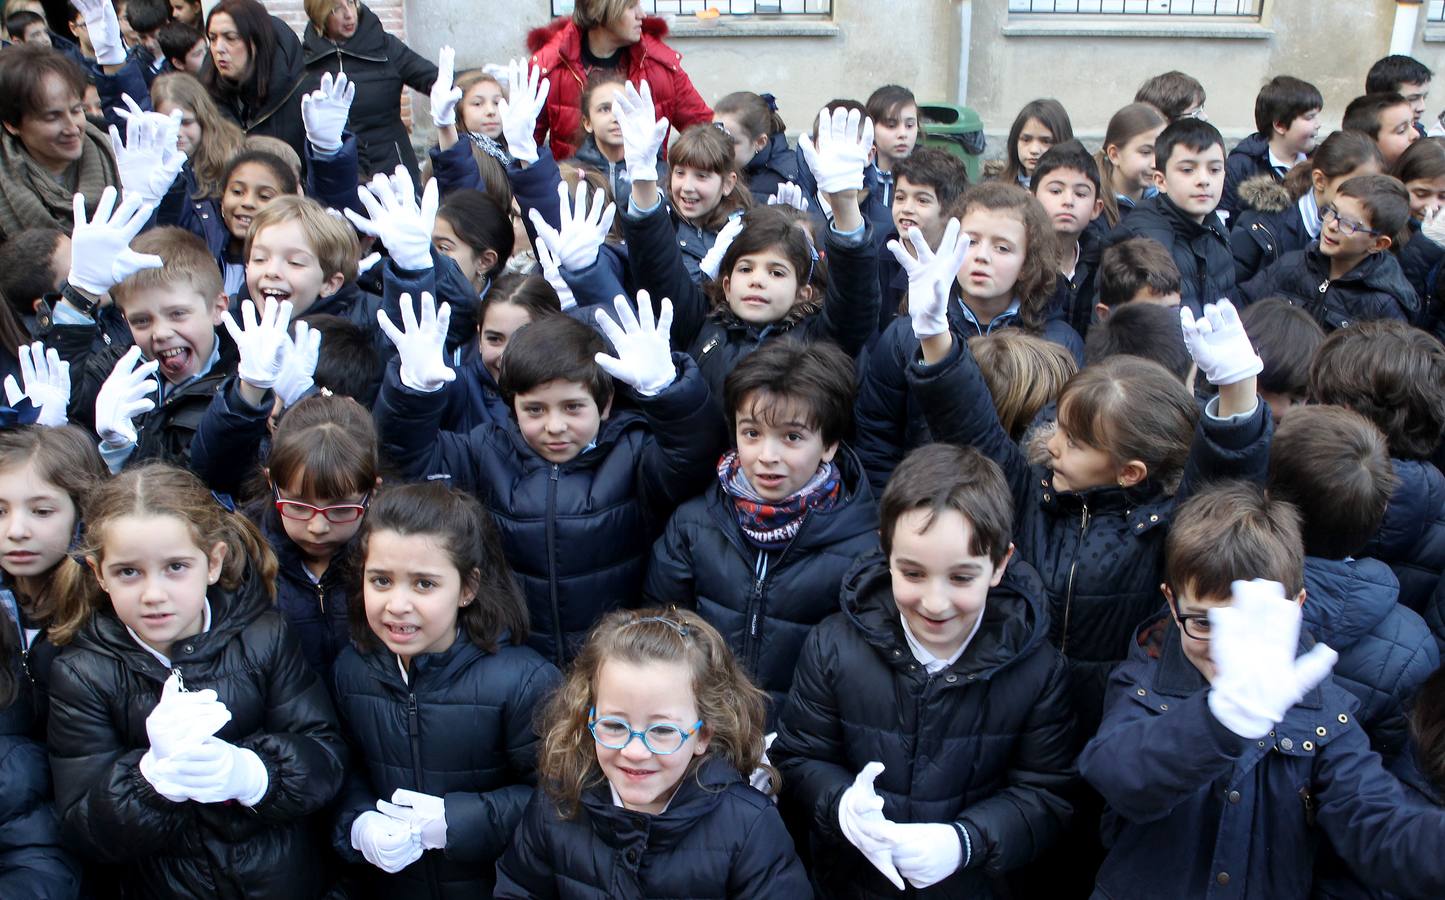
(615, 733)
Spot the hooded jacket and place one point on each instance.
(1376, 288)
(770, 167)
(278, 114)
(1411, 539)
(1249, 159)
(1268, 225)
(1201, 251)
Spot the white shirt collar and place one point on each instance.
(931, 663)
(1277, 163)
(161, 657)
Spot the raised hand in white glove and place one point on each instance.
(642, 131)
(931, 276)
(100, 254)
(860, 816)
(149, 159)
(426, 813)
(402, 226)
(840, 155)
(261, 345)
(644, 356)
(445, 95)
(421, 346)
(1252, 643)
(299, 369)
(1217, 342)
(325, 110)
(103, 27)
(789, 194)
(389, 844)
(123, 396)
(712, 259)
(519, 111)
(181, 719)
(47, 384)
(214, 771)
(926, 852)
(583, 229)
(1432, 225)
(552, 271)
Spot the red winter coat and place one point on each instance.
(557, 51)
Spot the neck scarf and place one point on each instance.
(31, 197)
(489, 147)
(770, 524)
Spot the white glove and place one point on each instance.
(148, 160)
(642, 131)
(262, 345)
(387, 843)
(712, 259)
(123, 396)
(552, 271)
(644, 357)
(789, 194)
(100, 254)
(1252, 644)
(325, 110)
(364, 264)
(445, 95)
(925, 853)
(860, 815)
(421, 345)
(931, 276)
(1432, 226)
(181, 719)
(519, 113)
(1219, 345)
(841, 153)
(583, 230)
(426, 813)
(760, 779)
(402, 227)
(298, 370)
(214, 771)
(103, 27)
(47, 384)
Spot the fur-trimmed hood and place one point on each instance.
(1265, 194)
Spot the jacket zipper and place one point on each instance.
(413, 730)
(1069, 591)
(321, 597)
(754, 612)
(558, 652)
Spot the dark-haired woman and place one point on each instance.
(255, 71)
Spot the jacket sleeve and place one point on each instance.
(881, 409)
(525, 871)
(416, 71)
(1391, 731)
(1420, 260)
(445, 282)
(1248, 256)
(1237, 447)
(767, 867)
(850, 311)
(687, 437)
(33, 865)
(597, 284)
(227, 447)
(480, 826)
(658, 268)
(331, 180)
(1265, 283)
(809, 750)
(535, 187)
(669, 574)
(129, 80)
(408, 423)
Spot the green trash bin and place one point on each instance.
(958, 130)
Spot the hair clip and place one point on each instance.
(772, 102)
(723, 128)
(680, 628)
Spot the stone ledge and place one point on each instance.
(1434, 33)
(750, 27)
(1115, 27)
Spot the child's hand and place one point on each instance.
(1432, 226)
(1252, 644)
(926, 852)
(215, 771)
(860, 816)
(148, 160)
(1219, 345)
(47, 384)
(841, 153)
(100, 254)
(712, 259)
(387, 843)
(402, 227)
(583, 230)
(552, 271)
(421, 345)
(789, 194)
(427, 814)
(299, 369)
(324, 112)
(125, 395)
(262, 345)
(519, 113)
(644, 358)
(642, 131)
(931, 276)
(445, 95)
(103, 27)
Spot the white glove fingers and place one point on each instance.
(394, 334)
(664, 320)
(1314, 667)
(646, 318)
(609, 329)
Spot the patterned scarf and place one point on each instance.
(30, 197)
(772, 524)
(489, 147)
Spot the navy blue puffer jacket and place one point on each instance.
(1269, 225)
(1412, 537)
(1201, 251)
(1374, 289)
(770, 167)
(1249, 159)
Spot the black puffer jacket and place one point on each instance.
(1201, 251)
(33, 864)
(765, 608)
(278, 114)
(718, 838)
(987, 742)
(461, 728)
(1249, 159)
(576, 534)
(1269, 226)
(1375, 289)
(1411, 538)
(103, 687)
(315, 611)
(380, 65)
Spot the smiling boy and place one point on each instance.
(1287, 124)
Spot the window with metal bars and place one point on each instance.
(1435, 11)
(1234, 9)
(724, 7)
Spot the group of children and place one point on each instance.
(1075, 532)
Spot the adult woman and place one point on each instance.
(608, 34)
(48, 151)
(344, 36)
(255, 71)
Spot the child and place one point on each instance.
(760, 556)
(1406, 76)
(1224, 758)
(185, 725)
(938, 681)
(602, 148)
(1286, 338)
(210, 141)
(760, 142)
(702, 192)
(1421, 246)
(1393, 375)
(660, 812)
(1387, 119)
(1066, 182)
(26, 27)
(1334, 466)
(439, 632)
(1126, 160)
(252, 180)
(1189, 173)
(1039, 125)
(476, 233)
(1146, 330)
(183, 46)
(1275, 218)
(298, 253)
(1345, 276)
(1024, 375)
(896, 130)
(33, 263)
(480, 106)
(1175, 94)
(568, 467)
(1138, 270)
(926, 185)
(1287, 124)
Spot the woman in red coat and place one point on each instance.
(608, 34)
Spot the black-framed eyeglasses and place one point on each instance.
(339, 514)
(1195, 625)
(1347, 227)
(660, 738)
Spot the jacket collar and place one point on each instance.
(698, 794)
(368, 43)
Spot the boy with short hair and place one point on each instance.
(1147, 330)
(1286, 337)
(1346, 276)
(1175, 94)
(1137, 270)
(1066, 182)
(183, 46)
(26, 27)
(1387, 118)
(761, 554)
(579, 490)
(1189, 172)
(926, 185)
(938, 682)
(1287, 124)
(1406, 76)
